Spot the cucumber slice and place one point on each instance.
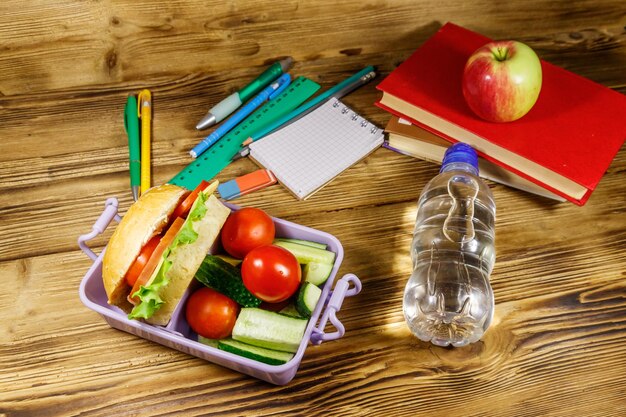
(316, 273)
(308, 296)
(302, 242)
(269, 356)
(307, 254)
(207, 341)
(269, 330)
(290, 310)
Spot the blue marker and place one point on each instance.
(269, 93)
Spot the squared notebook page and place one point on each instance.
(309, 153)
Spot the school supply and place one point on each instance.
(268, 93)
(144, 112)
(131, 125)
(409, 139)
(232, 102)
(564, 144)
(217, 157)
(338, 91)
(309, 153)
(245, 184)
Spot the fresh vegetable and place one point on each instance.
(207, 341)
(156, 259)
(271, 273)
(269, 330)
(269, 356)
(229, 259)
(307, 254)
(140, 263)
(316, 273)
(308, 296)
(290, 310)
(302, 242)
(211, 314)
(218, 274)
(183, 208)
(246, 229)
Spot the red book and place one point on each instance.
(565, 143)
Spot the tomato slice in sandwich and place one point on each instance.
(155, 258)
(183, 208)
(140, 263)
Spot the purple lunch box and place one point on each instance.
(177, 334)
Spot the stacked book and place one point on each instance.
(560, 149)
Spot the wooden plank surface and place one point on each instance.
(558, 342)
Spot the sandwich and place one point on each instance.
(156, 249)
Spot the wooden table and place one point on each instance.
(557, 345)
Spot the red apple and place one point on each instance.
(502, 80)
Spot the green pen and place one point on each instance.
(131, 124)
(233, 101)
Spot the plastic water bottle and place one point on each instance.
(448, 299)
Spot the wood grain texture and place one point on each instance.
(557, 346)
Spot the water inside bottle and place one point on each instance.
(448, 299)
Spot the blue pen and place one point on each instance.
(269, 93)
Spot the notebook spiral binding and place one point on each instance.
(355, 116)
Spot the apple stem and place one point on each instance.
(501, 54)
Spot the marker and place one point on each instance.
(269, 93)
(343, 88)
(131, 125)
(235, 100)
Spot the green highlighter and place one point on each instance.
(131, 124)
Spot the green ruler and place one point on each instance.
(211, 162)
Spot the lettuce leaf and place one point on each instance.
(149, 294)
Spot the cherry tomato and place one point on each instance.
(139, 264)
(183, 208)
(211, 314)
(271, 273)
(246, 229)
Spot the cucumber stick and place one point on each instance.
(302, 242)
(316, 273)
(269, 330)
(269, 356)
(307, 254)
(308, 296)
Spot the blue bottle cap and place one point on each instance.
(460, 152)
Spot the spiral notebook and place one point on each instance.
(310, 152)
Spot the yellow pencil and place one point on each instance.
(144, 112)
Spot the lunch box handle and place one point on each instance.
(109, 213)
(342, 290)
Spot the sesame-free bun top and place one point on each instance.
(144, 219)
